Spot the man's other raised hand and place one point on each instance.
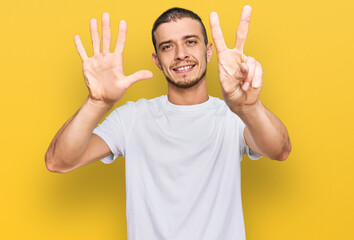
(240, 76)
(103, 72)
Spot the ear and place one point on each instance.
(155, 58)
(210, 50)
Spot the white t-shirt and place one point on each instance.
(182, 168)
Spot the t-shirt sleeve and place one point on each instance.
(244, 147)
(113, 130)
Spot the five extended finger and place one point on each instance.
(94, 36)
(242, 29)
(122, 35)
(217, 33)
(80, 48)
(106, 33)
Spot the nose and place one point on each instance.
(181, 53)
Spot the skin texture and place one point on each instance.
(179, 44)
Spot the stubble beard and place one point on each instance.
(186, 83)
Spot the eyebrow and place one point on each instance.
(185, 37)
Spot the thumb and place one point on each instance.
(139, 75)
(242, 72)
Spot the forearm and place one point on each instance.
(70, 142)
(266, 131)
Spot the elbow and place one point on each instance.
(283, 157)
(52, 165)
(285, 153)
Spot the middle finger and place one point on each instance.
(106, 33)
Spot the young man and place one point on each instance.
(183, 150)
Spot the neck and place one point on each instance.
(188, 96)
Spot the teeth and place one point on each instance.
(183, 68)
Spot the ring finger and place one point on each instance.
(94, 36)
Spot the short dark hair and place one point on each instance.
(174, 14)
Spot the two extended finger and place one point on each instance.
(241, 34)
(242, 30)
(217, 33)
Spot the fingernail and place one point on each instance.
(246, 86)
(255, 84)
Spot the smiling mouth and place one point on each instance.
(184, 69)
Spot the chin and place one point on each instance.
(186, 83)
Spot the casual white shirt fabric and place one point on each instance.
(182, 168)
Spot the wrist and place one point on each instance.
(248, 110)
(98, 104)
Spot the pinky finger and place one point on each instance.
(257, 81)
(80, 49)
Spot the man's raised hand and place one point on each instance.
(103, 72)
(240, 76)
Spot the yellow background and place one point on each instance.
(306, 50)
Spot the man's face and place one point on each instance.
(181, 52)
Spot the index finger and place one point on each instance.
(122, 35)
(242, 29)
(217, 33)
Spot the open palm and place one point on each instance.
(103, 72)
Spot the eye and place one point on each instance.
(165, 47)
(191, 42)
